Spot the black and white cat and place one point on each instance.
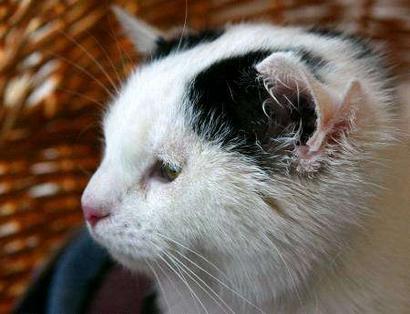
(245, 171)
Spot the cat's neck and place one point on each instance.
(370, 257)
(369, 275)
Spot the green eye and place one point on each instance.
(169, 172)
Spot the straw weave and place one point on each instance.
(59, 63)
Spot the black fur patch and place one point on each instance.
(165, 47)
(229, 97)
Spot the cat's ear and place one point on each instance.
(324, 113)
(144, 37)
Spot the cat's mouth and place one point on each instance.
(95, 223)
(93, 220)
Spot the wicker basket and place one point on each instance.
(59, 63)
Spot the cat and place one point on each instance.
(253, 169)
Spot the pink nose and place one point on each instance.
(93, 215)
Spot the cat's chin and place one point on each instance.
(133, 263)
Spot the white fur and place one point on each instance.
(279, 244)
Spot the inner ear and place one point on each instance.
(297, 106)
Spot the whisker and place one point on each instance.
(203, 283)
(92, 58)
(184, 27)
(83, 96)
(169, 279)
(213, 266)
(184, 281)
(106, 56)
(196, 253)
(83, 70)
(159, 282)
(219, 281)
(120, 51)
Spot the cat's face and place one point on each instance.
(243, 144)
(160, 179)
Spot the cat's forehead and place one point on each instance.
(160, 85)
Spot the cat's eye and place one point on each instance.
(169, 172)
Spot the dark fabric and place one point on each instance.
(120, 292)
(76, 276)
(82, 278)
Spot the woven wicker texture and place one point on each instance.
(59, 63)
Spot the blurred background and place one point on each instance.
(60, 62)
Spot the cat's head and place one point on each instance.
(249, 143)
